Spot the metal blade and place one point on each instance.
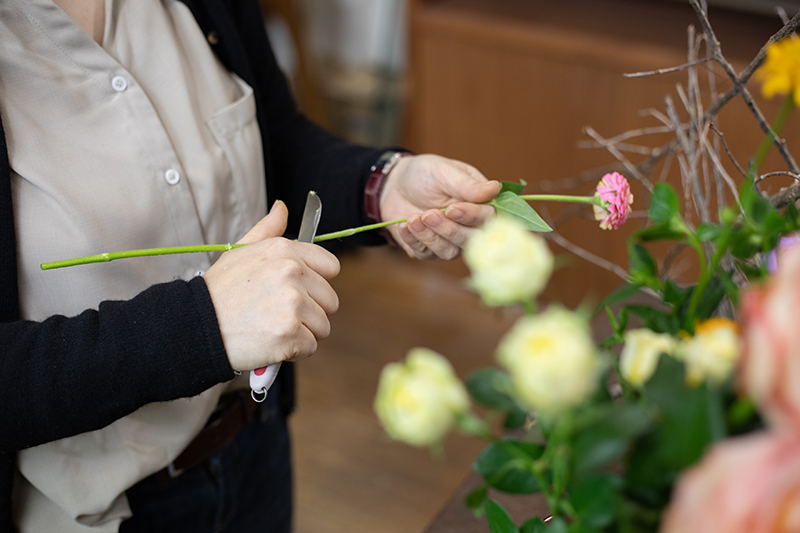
(311, 214)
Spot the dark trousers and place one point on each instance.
(245, 488)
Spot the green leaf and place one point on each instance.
(516, 188)
(745, 243)
(665, 232)
(511, 205)
(533, 525)
(688, 425)
(674, 295)
(654, 319)
(492, 388)
(476, 500)
(712, 296)
(641, 262)
(756, 207)
(664, 205)
(605, 433)
(498, 518)
(708, 232)
(503, 464)
(557, 525)
(594, 500)
(619, 295)
(791, 217)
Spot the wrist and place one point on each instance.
(376, 183)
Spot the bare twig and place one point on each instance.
(794, 176)
(622, 147)
(787, 30)
(728, 150)
(587, 255)
(741, 89)
(620, 157)
(722, 172)
(665, 70)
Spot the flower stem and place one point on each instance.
(594, 200)
(110, 256)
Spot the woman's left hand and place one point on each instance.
(419, 187)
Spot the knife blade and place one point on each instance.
(261, 379)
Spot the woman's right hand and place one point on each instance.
(272, 297)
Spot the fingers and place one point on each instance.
(444, 235)
(465, 182)
(425, 242)
(272, 225)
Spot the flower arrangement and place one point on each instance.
(687, 416)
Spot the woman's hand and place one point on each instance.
(419, 187)
(272, 298)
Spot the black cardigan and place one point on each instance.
(65, 376)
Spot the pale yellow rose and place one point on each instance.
(713, 351)
(639, 357)
(552, 360)
(508, 263)
(420, 400)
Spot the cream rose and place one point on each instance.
(641, 352)
(713, 351)
(770, 367)
(552, 360)
(508, 263)
(419, 401)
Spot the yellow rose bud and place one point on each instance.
(552, 360)
(713, 351)
(420, 400)
(508, 263)
(639, 357)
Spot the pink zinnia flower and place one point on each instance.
(615, 191)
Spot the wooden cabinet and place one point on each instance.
(508, 86)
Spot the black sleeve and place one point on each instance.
(66, 376)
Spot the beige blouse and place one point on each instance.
(145, 141)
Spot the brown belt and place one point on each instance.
(234, 411)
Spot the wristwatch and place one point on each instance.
(377, 180)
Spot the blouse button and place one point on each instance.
(172, 176)
(119, 84)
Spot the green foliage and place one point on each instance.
(476, 500)
(604, 433)
(498, 518)
(508, 465)
(509, 204)
(492, 388)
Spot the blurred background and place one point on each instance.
(509, 86)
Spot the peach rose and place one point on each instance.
(770, 364)
(747, 484)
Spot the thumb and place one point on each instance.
(468, 184)
(272, 225)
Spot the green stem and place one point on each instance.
(110, 256)
(594, 200)
(769, 140)
(705, 273)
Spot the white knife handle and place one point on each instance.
(261, 379)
